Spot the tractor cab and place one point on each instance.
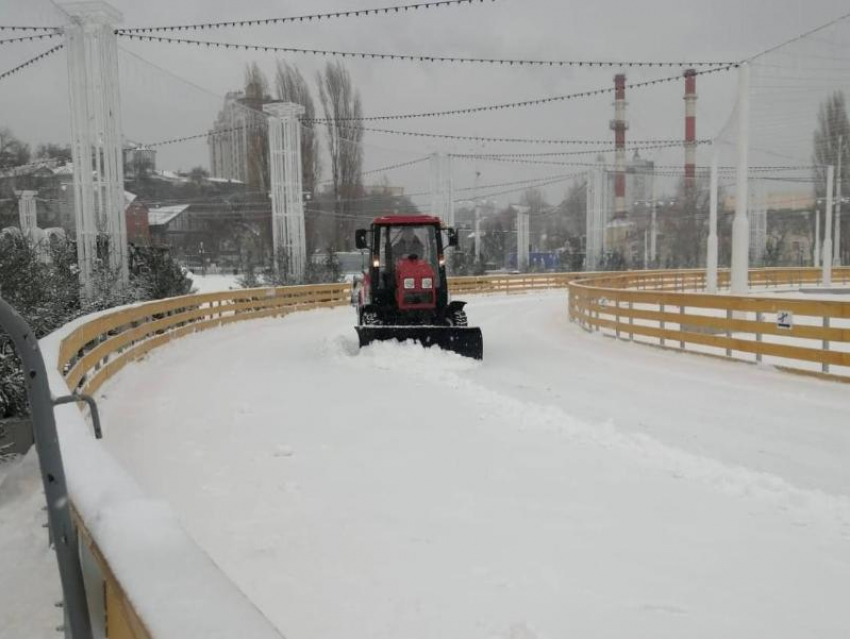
(407, 261)
(406, 286)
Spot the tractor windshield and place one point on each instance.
(399, 242)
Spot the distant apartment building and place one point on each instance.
(138, 160)
(236, 139)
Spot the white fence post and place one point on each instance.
(740, 226)
(711, 252)
(826, 253)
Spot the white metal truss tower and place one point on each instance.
(442, 196)
(288, 235)
(523, 236)
(96, 142)
(27, 213)
(597, 187)
(758, 222)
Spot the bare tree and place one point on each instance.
(256, 93)
(340, 102)
(832, 124)
(13, 152)
(291, 86)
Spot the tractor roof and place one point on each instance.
(407, 220)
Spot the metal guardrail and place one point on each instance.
(62, 530)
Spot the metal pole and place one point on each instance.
(477, 231)
(711, 252)
(589, 222)
(740, 225)
(52, 470)
(816, 257)
(837, 248)
(826, 254)
(653, 251)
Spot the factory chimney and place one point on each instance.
(619, 126)
(690, 128)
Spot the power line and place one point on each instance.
(356, 13)
(405, 57)
(529, 182)
(29, 38)
(386, 168)
(797, 38)
(6, 74)
(521, 104)
(524, 188)
(609, 149)
(478, 138)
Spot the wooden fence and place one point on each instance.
(666, 308)
(671, 309)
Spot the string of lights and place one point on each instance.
(406, 57)
(186, 138)
(520, 104)
(354, 13)
(396, 166)
(29, 62)
(7, 27)
(29, 38)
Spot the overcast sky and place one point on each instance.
(159, 106)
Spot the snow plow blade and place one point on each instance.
(462, 340)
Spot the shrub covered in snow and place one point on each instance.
(42, 284)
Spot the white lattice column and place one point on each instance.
(96, 141)
(590, 258)
(442, 196)
(27, 213)
(522, 236)
(288, 233)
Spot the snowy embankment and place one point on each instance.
(569, 485)
(213, 283)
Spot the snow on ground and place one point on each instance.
(28, 571)
(213, 283)
(569, 485)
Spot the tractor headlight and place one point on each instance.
(409, 283)
(427, 282)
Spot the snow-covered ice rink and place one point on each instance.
(566, 486)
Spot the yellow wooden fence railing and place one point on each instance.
(664, 307)
(671, 309)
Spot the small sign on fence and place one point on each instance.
(785, 319)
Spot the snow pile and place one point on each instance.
(213, 283)
(28, 568)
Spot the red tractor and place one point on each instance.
(404, 294)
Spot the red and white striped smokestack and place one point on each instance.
(690, 126)
(619, 126)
